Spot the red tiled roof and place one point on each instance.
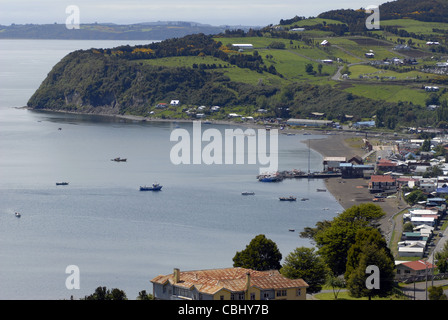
(382, 179)
(232, 279)
(418, 265)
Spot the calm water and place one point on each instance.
(118, 236)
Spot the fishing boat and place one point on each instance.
(247, 193)
(270, 177)
(62, 183)
(18, 215)
(154, 187)
(290, 198)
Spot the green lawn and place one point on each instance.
(367, 70)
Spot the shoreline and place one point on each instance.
(353, 192)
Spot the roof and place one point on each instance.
(231, 279)
(382, 179)
(418, 265)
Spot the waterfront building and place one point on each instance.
(228, 284)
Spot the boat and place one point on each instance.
(62, 183)
(154, 187)
(321, 190)
(290, 198)
(304, 199)
(18, 215)
(247, 193)
(270, 177)
(119, 159)
(292, 230)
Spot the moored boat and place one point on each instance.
(154, 187)
(290, 198)
(321, 190)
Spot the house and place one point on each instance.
(243, 46)
(227, 284)
(175, 102)
(378, 184)
(333, 163)
(215, 108)
(411, 248)
(364, 124)
(414, 268)
(325, 43)
(370, 55)
(162, 105)
(350, 170)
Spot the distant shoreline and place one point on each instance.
(330, 145)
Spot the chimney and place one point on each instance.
(176, 275)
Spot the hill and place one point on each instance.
(108, 31)
(290, 71)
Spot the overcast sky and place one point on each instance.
(214, 12)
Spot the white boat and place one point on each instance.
(18, 215)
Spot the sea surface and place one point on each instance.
(118, 236)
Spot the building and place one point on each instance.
(227, 284)
(325, 43)
(309, 122)
(175, 102)
(414, 268)
(243, 46)
(333, 163)
(382, 184)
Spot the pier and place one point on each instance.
(297, 174)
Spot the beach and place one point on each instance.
(350, 192)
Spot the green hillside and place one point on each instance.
(288, 71)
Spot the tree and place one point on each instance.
(309, 68)
(436, 293)
(415, 196)
(442, 259)
(369, 249)
(334, 239)
(260, 254)
(336, 282)
(143, 295)
(304, 263)
(102, 293)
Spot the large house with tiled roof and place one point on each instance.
(227, 284)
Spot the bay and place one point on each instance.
(118, 236)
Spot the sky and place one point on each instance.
(214, 12)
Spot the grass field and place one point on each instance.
(418, 27)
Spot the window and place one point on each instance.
(281, 293)
(221, 297)
(252, 296)
(299, 292)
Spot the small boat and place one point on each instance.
(291, 198)
(18, 215)
(119, 159)
(62, 183)
(304, 199)
(247, 193)
(154, 187)
(321, 190)
(292, 230)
